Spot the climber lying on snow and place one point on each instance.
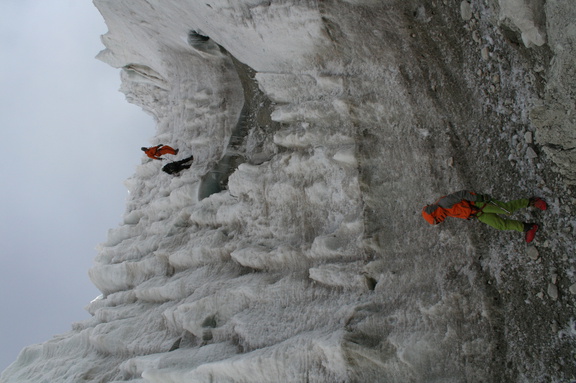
(156, 151)
(467, 205)
(177, 166)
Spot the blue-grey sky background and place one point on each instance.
(69, 140)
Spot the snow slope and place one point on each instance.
(293, 250)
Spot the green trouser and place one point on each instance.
(489, 214)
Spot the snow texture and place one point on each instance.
(293, 249)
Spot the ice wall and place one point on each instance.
(293, 249)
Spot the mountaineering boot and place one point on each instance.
(530, 229)
(538, 202)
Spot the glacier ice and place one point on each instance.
(293, 250)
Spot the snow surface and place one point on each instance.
(293, 250)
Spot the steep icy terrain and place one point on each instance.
(293, 250)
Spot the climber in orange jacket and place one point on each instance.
(467, 205)
(156, 151)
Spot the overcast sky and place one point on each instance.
(69, 140)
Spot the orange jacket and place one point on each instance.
(457, 205)
(156, 151)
